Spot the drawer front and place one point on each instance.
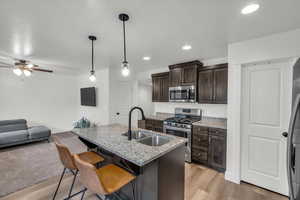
(200, 141)
(217, 132)
(198, 129)
(158, 122)
(200, 155)
(149, 122)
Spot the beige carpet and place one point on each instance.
(25, 165)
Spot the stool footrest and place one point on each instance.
(73, 195)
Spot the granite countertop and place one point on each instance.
(110, 138)
(160, 116)
(212, 122)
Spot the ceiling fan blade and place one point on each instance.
(5, 66)
(5, 63)
(42, 70)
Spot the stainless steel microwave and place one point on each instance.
(182, 94)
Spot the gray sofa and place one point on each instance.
(14, 132)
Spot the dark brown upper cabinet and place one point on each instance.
(220, 85)
(175, 77)
(160, 87)
(213, 84)
(184, 73)
(205, 86)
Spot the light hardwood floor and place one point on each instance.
(201, 184)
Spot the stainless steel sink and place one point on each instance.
(155, 140)
(137, 134)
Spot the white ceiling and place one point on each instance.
(55, 31)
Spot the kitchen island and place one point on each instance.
(159, 169)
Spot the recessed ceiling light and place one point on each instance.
(146, 58)
(250, 9)
(186, 47)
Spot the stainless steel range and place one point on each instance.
(181, 126)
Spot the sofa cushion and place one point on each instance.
(39, 132)
(13, 125)
(13, 136)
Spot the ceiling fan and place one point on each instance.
(25, 67)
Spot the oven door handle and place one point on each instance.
(188, 94)
(177, 129)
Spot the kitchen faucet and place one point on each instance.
(129, 121)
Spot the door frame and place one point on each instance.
(233, 152)
(288, 76)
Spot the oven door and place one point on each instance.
(185, 133)
(176, 132)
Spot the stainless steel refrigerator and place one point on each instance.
(293, 139)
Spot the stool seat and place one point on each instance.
(113, 177)
(106, 180)
(90, 157)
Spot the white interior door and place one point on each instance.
(122, 102)
(266, 104)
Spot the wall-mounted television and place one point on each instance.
(88, 96)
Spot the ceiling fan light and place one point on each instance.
(30, 65)
(27, 72)
(17, 71)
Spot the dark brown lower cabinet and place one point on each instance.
(151, 124)
(209, 147)
(217, 152)
(142, 124)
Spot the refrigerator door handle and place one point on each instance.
(290, 146)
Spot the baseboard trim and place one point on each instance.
(232, 177)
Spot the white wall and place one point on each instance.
(278, 46)
(210, 110)
(144, 94)
(124, 94)
(100, 113)
(43, 98)
(52, 100)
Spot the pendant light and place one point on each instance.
(92, 75)
(125, 65)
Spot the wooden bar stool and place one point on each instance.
(67, 159)
(105, 181)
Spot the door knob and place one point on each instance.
(284, 134)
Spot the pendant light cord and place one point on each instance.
(92, 55)
(124, 36)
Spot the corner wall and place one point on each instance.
(42, 99)
(278, 46)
